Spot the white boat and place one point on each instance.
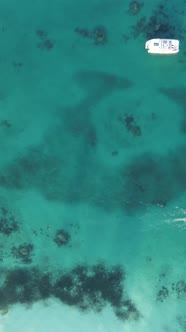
(162, 46)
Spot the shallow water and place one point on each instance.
(92, 167)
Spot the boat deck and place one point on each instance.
(162, 46)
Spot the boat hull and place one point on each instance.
(162, 46)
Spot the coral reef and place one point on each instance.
(62, 238)
(131, 125)
(159, 24)
(41, 33)
(135, 7)
(45, 42)
(86, 287)
(20, 286)
(23, 252)
(44, 285)
(127, 310)
(8, 224)
(180, 288)
(175, 288)
(94, 288)
(98, 34)
(162, 294)
(83, 32)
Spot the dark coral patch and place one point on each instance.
(180, 288)
(8, 224)
(91, 288)
(85, 287)
(62, 238)
(45, 285)
(45, 42)
(21, 286)
(162, 294)
(159, 24)
(127, 310)
(100, 35)
(83, 32)
(135, 7)
(42, 34)
(131, 125)
(23, 252)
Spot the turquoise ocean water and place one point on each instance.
(93, 164)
